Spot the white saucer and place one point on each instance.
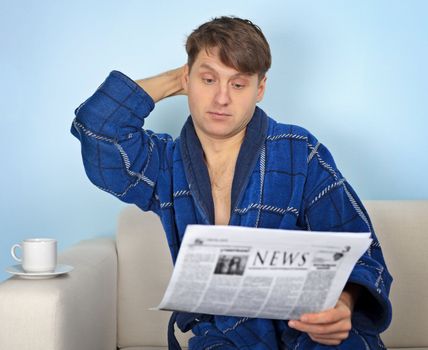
(59, 270)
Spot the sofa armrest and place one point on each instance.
(72, 311)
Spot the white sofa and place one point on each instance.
(103, 303)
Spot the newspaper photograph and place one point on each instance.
(261, 273)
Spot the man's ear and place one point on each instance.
(261, 89)
(185, 79)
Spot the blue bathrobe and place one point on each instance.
(284, 178)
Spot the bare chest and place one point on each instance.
(221, 190)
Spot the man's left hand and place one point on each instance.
(332, 326)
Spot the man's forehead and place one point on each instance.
(209, 59)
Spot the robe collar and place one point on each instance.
(196, 170)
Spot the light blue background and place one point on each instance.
(352, 72)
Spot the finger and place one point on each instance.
(344, 325)
(331, 337)
(329, 316)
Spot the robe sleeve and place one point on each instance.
(331, 204)
(119, 156)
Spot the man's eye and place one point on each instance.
(208, 81)
(238, 86)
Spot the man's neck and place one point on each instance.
(221, 154)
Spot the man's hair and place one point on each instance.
(241, 44)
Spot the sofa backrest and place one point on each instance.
(145, 266)
(144, 269)
(402, 229)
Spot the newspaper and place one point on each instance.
(263, 273)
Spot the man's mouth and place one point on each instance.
(219, 115)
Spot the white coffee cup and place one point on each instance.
(38, 254)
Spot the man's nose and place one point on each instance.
(222, 96)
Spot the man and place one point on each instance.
(232, 164)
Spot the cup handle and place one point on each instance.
(12, 251)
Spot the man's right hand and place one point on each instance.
(164, 85)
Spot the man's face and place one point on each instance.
(221, 99)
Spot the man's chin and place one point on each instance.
(218, 133)
(219, 130)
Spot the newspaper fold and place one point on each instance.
(263, 273)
